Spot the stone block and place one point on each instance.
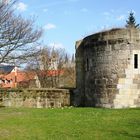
(121, 81)
(37, 98)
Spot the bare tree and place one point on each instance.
(52, 62)
(16, 34)
(69, 75)
(48, 64)
(54, 67)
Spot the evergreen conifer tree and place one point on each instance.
(131, 22)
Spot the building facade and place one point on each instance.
(12, 77)
(108, 69)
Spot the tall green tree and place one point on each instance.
(131, 21)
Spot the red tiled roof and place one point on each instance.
(16, 78)
(50, 72)
(20, 76)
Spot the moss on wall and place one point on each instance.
(37, 98)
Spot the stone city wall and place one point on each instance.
(36, 98)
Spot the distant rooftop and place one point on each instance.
(6, 68)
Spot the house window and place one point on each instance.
(136, 61)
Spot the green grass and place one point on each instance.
(69, 124)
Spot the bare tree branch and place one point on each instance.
(15, 33)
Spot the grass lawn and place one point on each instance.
(69, 124)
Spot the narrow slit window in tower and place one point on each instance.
(136, 61)
(87, 67)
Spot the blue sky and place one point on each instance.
(65, 21)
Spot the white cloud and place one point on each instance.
(121, 17)
(56, 45)
(49, 26)
(113, 15)
(21, 6)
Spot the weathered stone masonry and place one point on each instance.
(36, 98)
(108, 69)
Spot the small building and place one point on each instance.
(108, 69)
(12, 77)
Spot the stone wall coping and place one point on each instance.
(111, 34)
(32, 89)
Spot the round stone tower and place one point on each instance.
(108, 69)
